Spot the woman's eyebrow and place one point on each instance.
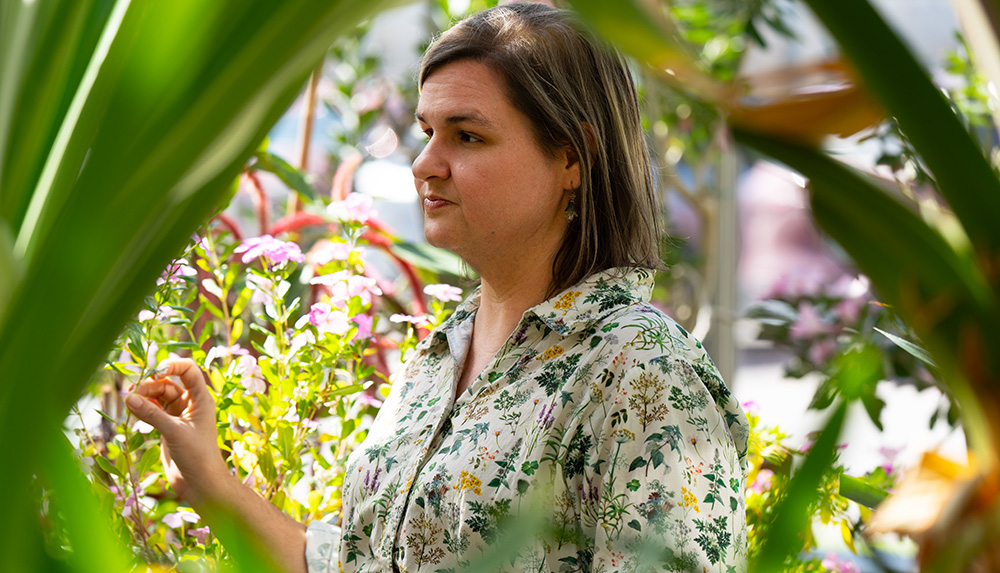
(465, 117)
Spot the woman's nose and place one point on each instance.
(430, 164)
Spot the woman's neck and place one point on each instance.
(505, 295)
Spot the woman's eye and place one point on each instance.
(468, 137)
(428, 132)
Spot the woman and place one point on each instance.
(555, 394)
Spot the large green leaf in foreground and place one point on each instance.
(123, 125)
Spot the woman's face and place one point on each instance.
(489, 192)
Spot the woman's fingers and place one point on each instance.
(149, 412)
(161, 402)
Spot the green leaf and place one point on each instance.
(289, 175)
(792, 513)
(425, 256)
(87, 525)
(965, 177)
(123, 126)
(912, 267)
(344, 390)
(135, 441)
(859, 491)
(912, 349)
(109, 467)
(149, 457)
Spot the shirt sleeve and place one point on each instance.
(322, 547)
(670, 477)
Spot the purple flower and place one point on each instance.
(443, 292)
(273, 250)
(545, 417)
(131, 502)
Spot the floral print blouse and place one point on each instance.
(600, 438)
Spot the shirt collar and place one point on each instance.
(573, 309)
(577, 308)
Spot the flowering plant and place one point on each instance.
(298, 357)
(820, 322)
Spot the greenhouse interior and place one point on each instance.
(500, 285)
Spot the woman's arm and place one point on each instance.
(185, 417)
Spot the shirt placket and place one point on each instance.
(437, 422)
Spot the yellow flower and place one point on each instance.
(566, 301)
(469, 481)
(689, 500)
(551, 353)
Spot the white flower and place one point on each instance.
(250, 375)
(141, 427)
(444, 292)
(419, 320)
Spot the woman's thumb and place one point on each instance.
(147, 411)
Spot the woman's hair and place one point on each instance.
(577, 93)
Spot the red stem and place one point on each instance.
(259, 201)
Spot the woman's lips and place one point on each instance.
(432, 203)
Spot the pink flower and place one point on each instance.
(444, 292)
(833, 563)
(889, 456)
(145, 315)
(763, 481)
(808, 324)
(175, 271)
(365, 323)
(250, 375)
(177, 519)
(355, 207)
(200, 534)
(849, 309)
(820, 352)
(273, 250)
(751, 407)
(344, 285)
(420, 320)
(326, 319)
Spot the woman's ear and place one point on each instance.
(573, 165)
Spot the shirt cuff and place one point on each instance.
(322, 547)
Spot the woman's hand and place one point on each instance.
(185, 417)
